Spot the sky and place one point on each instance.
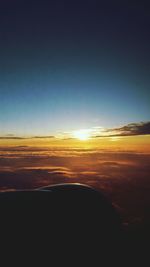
(71, 65)
(75, 98)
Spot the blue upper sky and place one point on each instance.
(66, 66)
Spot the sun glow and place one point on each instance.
(82, 135)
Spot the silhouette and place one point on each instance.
(63, 222)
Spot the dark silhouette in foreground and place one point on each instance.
(73, 224)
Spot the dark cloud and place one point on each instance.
(142, 128)
(134, 129)
(30, 178)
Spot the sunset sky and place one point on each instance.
(75, 97)
(70, 65)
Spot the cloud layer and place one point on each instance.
(123, 176)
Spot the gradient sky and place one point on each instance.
(67, 65)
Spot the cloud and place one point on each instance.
(42, 137)
(131, 129)
(122, 176)
(30, 178)
(142, 128)
(12, 137)
(134, 129)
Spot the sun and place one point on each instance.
(82, 135)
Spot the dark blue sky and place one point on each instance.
(73, 64)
